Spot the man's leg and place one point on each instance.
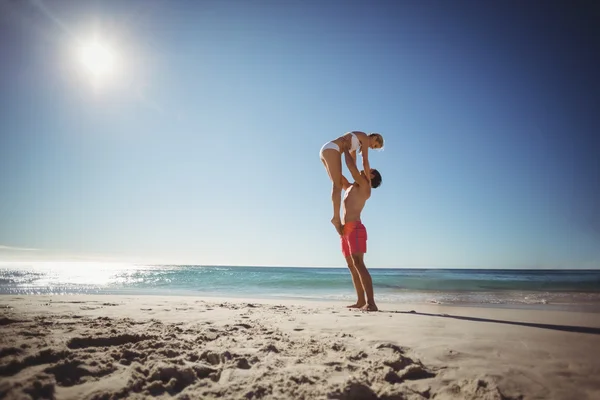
(365, 278)
(360, 291)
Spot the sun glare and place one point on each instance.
(98, 59)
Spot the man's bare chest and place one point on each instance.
(352, 194)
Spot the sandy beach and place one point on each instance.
(134, 347)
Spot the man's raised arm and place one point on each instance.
(351, 164)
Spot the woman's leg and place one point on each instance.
(333, 163)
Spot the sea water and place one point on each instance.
(538, 288)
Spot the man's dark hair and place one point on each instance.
(376, 181)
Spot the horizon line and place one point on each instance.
(157, 264)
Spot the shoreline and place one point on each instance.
(112, 347)
(590, 306)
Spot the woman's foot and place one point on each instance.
(369, 307)
(338, 226)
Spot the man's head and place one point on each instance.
(375, 177)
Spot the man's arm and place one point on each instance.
(351, 164)
(345, 183)
(363, 137)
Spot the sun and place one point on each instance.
(98, 58)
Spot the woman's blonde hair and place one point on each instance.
(378, 138)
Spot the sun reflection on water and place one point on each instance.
(53, 274)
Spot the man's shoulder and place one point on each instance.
(363, 185)
(364, 189)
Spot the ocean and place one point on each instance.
(562, 289)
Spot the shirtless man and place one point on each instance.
(354, 238)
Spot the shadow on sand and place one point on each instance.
(564, 328)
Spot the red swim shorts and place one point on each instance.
(354, 239)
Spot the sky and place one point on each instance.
(202, 144)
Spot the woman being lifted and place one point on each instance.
(331, 156)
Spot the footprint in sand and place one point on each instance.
(10, 351)
(8, 321)
(106, 341)
(69, 373)
(46, 356)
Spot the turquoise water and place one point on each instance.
(443, 286)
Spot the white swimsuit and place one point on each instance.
(354, 145)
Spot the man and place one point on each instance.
(354, 237)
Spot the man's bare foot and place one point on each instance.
(338, 226)
(356, 305)
(369, 307)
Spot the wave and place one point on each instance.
(393, 285)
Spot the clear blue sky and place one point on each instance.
(204, 147)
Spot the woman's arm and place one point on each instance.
(366, 165)
(364, 148)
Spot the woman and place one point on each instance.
(331, 155)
